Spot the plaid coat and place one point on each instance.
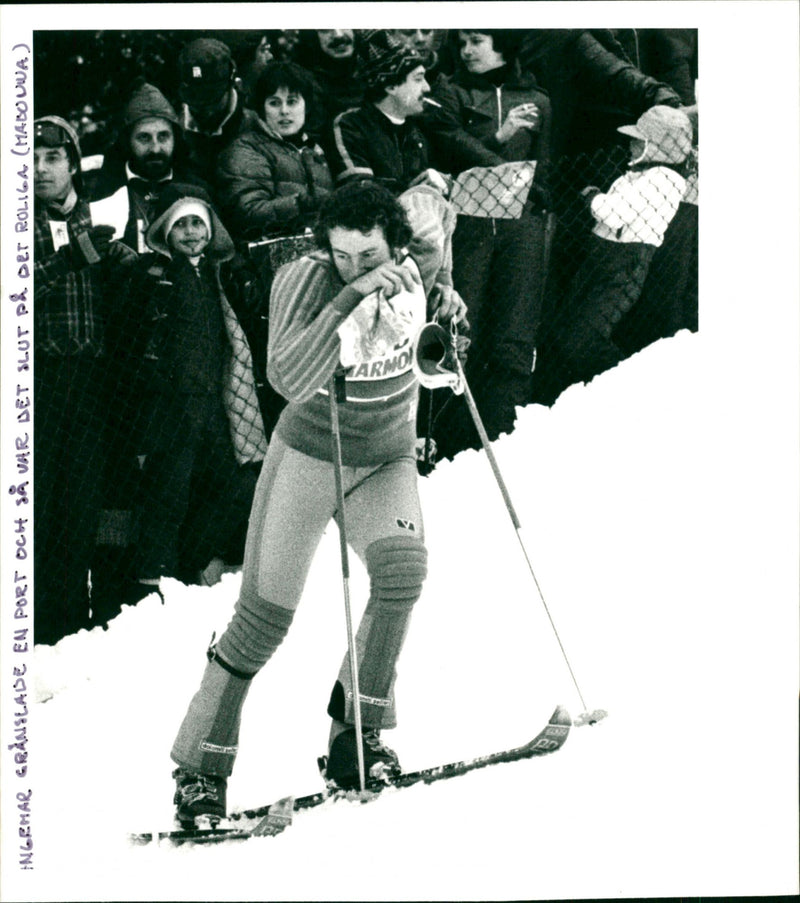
(69, 302)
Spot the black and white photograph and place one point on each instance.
(400, 471)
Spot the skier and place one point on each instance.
(357, 303)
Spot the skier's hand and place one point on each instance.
(435, 179)
(447, 305)
(391, 277)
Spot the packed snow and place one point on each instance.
(670, 574)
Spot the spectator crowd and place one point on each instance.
(176, 172)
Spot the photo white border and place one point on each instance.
(749, 102)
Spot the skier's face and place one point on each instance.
(355, 253)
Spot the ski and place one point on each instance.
(274, 818)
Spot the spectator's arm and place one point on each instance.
(676, 59)
(617, 79)
(540, 190)
(454, 147)
(349, 149)
(432, 220)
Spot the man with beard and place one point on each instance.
(148, 156)
(330, 56)
(213, 113)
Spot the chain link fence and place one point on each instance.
(147, 456)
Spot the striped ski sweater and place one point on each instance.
(308, 304)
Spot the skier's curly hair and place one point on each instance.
(362, 205)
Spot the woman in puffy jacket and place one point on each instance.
(271, 180)
(492, 113)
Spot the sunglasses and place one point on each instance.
(50, 135)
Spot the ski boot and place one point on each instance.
(341, 766)
(199, 799)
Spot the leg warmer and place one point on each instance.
(256, 630)
(208, 738)
(397, 566)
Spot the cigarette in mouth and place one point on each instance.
(431, 103)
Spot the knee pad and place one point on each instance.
(256, 630)
(397, 567)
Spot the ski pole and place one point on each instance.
(337, 392)
(476, 417)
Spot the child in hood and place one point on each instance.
(192, 407)
(630, 222)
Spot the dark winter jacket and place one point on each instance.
(205, 148)
(367, 144)
(579, 73)
(270, 186)
(668, 54)
(462, 132)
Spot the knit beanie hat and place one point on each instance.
(383, 59)
(147, 102)
(667, 131)
(187, 207)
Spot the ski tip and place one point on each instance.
(591, 718)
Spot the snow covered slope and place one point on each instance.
(676, 607)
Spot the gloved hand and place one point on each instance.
(94, 244)
(101, 237)
(308, 203)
